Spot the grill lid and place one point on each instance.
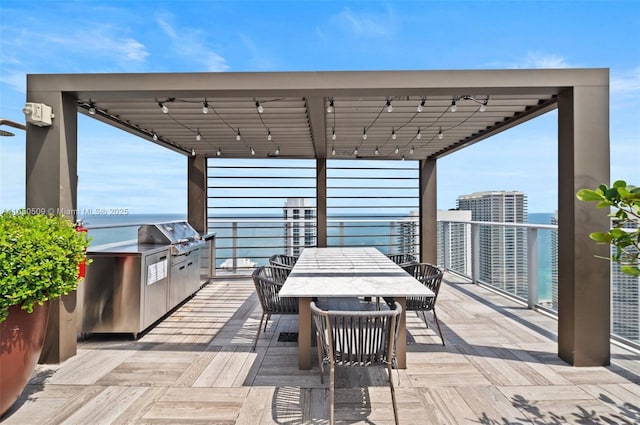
(179, 234)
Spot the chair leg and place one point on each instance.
(438, 324)
(267, 322)
(332, 373)
(424, 317)
(255, 343)
(393, 395)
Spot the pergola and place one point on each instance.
(297, 114)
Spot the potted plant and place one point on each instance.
(624, 235)
(39, 260)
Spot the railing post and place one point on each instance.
(234, 245)
(532, 267)
(392, 232)
(445, 244)
(342, 233)
(475, 252)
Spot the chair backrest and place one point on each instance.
(357, 338)
(431, 277)
(403, 259)
(283, 260)
(268, 280)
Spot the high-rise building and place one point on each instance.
(299, 225)
(408, 235)
(503, 255)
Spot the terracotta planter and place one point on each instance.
(21, 339)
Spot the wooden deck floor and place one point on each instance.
(196, 367)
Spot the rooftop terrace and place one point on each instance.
(500, 366)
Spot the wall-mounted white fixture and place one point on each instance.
(38, 114)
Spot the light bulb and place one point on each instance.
(355, 151)
(393, 134)
(269, 135)
(333, 134)
(402, 157)
(238, 136)
(259, 107)
(330, 107)
(483, 107)
(219, 152)
(397, 150)
(155, 137)
(364, 134)
(205, 107)
(418, 135)
(252, 151)
(421, 106)
(163, 107)
(376, 152)
(389, 107)
(412, 150)
(193, 152)
(454, 107)
(278, 150)
(333, 151)
(440, 134)
(198, 136)
(92, 108)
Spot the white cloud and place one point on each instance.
(365, 25)
(626, 82)
(542, 60)
(191, 45)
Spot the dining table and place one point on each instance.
(348, 272)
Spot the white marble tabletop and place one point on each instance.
(349, 272)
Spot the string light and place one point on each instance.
(412, 150)
(205, 107)
(252, 151)
(355, 151)
(330, 107)
(333, 134)
(454, 106)
(155, 137)
(198, 136)
(92, 107)
(193, 152)
(421, 105)
(163, 107)
(269, 137)
(278, 150)
(364, 134)
(483, 106)
(388, 105)
(418, 134)
(259, 107)
(238, 136)
(393, 134)
(376, 152)
(402, 157)
(333, 150)
(219, 152)
(397, 150)
(440, 134)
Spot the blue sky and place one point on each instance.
(219, 36)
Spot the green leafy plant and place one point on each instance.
(624, 200)
(39, 258)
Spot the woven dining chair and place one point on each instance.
(283, 260)
(431, 277)
(403, 259)
(268, 280)
(360, 338)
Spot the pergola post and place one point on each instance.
(51, 187)
(197, 193)
(584, 286)
(428, 211)
(321, 202)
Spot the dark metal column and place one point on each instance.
(583, 280)
(428, 211)
(51, 187)
(197, 193)
(321, 201)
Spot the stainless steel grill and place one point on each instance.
(180, 235)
